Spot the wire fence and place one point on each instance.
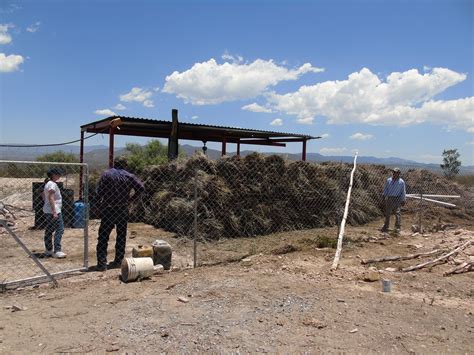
(34, 244)
(207, 200)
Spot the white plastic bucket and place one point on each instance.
(135, 268)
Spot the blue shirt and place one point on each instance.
(395, 188)
(115, 186)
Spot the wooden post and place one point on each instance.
(343, 223)
(111, 147)
(223, 147)
(303, 157)
(238, 149)
(173, 139)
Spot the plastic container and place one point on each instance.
(386, 285)
(162, 253)
(138, 268)
(142, 251)
(79, 215)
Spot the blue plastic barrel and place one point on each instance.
(79, 218)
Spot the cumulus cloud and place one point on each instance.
(138, 95)
(209, 82)
(119, 107)
(105, 112)
(34, 27)
(5, 37)
(254, 107)
(194, 117)
(402, 99)
(333, 150)
(10, 63)
(361, 136)
(277, 122)
(325, 135)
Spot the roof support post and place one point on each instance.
(173, 138)
(111, 146)
(303, 156)
(223, 147)
(81, 170)
(238, 149)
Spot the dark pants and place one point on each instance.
(112, 217)
(392, 204)
(56, 226)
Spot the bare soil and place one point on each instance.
(267, 294)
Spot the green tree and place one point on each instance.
(59, 156)
(451, 163)
(139, 157)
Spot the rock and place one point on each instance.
(355, 330)
(17, 308)
(391, 269)
(183, 299)
(370, 276)
(314, 323)
(112, 349)
(341, 300)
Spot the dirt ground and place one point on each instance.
(267, 294)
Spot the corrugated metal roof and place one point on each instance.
(128, 119)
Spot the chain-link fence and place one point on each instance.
(43, 220)
(260, 195)
(203, 200)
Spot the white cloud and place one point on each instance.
(306, 120)
(403, 99)
(361, 136)
(34, 27)
(333, 150)
(212, 83)
(194, 117)
(138, 95)
(119, 107)
(5, 37)
(325, 135)
(10, 63)
(254, 107)
(470, 143)
(231, 58)
(148, 103)
(277, 122)
(105, 112)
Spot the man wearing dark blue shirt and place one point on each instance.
(394, 195)
(113, 193)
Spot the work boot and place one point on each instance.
(99, 267)
(115, 264)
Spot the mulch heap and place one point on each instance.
(258, 195)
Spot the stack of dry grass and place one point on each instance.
(258, 195)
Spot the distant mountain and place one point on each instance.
(97, 156)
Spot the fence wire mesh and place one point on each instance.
(28, 215)
(207, 200)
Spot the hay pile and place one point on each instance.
(258, 195)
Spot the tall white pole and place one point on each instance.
(343, 222)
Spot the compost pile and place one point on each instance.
(257, 195)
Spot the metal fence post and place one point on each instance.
(195, 220)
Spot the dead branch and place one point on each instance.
(443, 258)
(464, 267)
(403, 257)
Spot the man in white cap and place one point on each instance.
(394, 195)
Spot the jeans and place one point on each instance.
(112, 217)
(56, 226)
(392, 204)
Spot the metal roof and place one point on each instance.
(192, 131)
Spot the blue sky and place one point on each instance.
(388, 78)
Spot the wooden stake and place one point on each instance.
(343, 222)
(443, 258)
(405, 257)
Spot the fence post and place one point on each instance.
(420, 212)
(195, 220)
